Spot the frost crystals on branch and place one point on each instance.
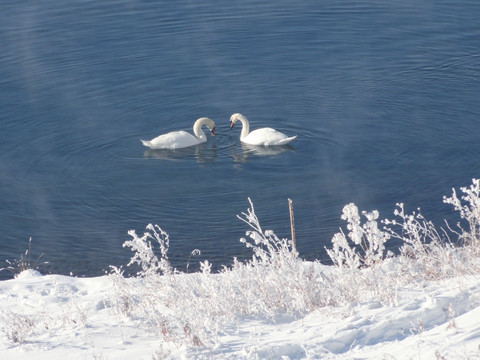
(367, 237)
(469, 212)
(266, 246)
(419, 235)
(144, 255)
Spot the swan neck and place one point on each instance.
(245, 127)
(197, 129)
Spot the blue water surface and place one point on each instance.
(383, 95)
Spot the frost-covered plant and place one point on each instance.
(278, 279)
(469, 211)
(36, 317)
(17, 327)
(26, 262)
(266, 246)
(195, 252)
(422, 243)
(358, 256)
(430, 254)
(367, 237)
(161, 296)
(415, 232)
(144, 255)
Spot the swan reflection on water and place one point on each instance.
(201, 152)
(207, 152)
(241, 154)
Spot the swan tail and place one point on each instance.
(287, 140)
(146, 143)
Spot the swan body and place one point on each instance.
(182, 139)
(264, 136)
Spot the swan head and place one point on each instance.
(234, 118)
(209, 123)
(211, 126)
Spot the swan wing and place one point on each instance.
(267, 137)
(285, 141)
(173, 140)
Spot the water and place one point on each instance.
(382, 95)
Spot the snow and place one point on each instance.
(67, 317)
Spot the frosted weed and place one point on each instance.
(26, 262)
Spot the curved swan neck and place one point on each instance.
(245, 125)
(197, 128)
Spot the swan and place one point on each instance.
(263, 136)
(182, 139)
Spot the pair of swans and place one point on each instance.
(182, 139)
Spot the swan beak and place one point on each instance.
(213, 131)
(231, 124)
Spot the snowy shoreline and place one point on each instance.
(437, 320)
(420, 304)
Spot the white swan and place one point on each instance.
(263, 136)
(182, 139)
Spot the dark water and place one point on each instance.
(383, 95)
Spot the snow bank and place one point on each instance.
(46, 317)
